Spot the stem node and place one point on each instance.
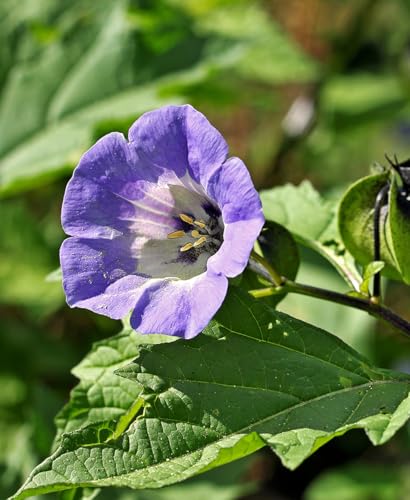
(371, 305)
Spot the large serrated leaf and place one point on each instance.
(254, 377)
(312, 221)
(101, 395)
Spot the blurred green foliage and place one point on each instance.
(71, 71)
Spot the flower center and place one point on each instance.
(206, 236)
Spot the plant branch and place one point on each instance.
(281, 284)
(364, 304)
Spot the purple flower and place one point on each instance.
(158, 223)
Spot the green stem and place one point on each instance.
(372, 307)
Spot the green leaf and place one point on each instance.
(255, 377)
(312, 221)
(399, 232)
(101, 395)
(26, 259)
(229, 482)
(361, 95)
(271, 56)
(96, 72)
(279, 248)
(356, 214)
(55, 276)
(358, 481)
(369, 271)
(354, 327)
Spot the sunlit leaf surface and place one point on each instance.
(255, 377)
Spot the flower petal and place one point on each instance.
(91, 207)
(181, 139)
(91, 211)
(98, 275)
(123, 202)
(182, 308)
(232, 188)
(113, 193)
(233, 256)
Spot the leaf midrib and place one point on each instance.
(290, 408)
(246, 429)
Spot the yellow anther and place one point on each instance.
(195, 234)
(200, 242)
(200, 224)
(186, 247)
(186, 218)
(176, 234)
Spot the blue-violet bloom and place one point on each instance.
(158, 224)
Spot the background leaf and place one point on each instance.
(27, 255)
(312, 221)
(88, 77)
(358, 481)
(269, 56)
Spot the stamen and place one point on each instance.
(199, 223)
(195, 234)
(176, 234)
(186, 218)
(200, 242)
(186, 247)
